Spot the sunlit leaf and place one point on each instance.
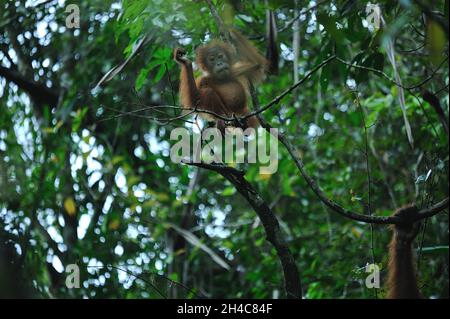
(436, 41)
(114, 224)
(69, 206)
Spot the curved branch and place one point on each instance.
(271, 225)
(433, 210)
(338, 208)
(322, 196)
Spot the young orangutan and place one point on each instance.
(402, 282)
(224, 87)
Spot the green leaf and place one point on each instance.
(79, 115)
(437, 41)
(160, 74)
(230, 190)
(140, 80)
(163, 54)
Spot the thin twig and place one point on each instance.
(369, 180)
(277, 99)
(415, 86)
(170, 82)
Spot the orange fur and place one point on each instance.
(222, 96)
(402, 282)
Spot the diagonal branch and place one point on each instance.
(270, 222)
(433, 210)
(222, 29)
(323, 197)
(277, 99)
(338, 208)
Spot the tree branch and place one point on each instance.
(39, 93)
(338, 208)
(322, 196)
(219, 21)
(271, 225)
(433, 210)
(277, 99)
